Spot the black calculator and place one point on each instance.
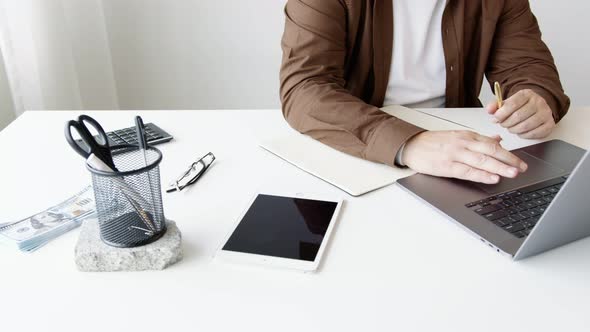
(128, 136)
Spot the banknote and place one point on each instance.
(45, 225)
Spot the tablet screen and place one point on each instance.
(282, 227)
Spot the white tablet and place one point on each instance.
(288, 231)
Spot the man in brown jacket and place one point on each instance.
(343, 59)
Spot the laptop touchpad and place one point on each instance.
(538, 171)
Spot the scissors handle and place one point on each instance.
(99, 146)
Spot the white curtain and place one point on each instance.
(57, 55)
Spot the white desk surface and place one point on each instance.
(392, 265)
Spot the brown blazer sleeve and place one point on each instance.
(313, 94)
(521, 60)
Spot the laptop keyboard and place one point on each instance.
(518, 211)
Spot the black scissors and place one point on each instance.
(97, 145)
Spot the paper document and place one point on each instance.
(353, 175)
(477, 119)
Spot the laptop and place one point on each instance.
(541, 209)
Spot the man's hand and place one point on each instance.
(461, 154)
(525, 114)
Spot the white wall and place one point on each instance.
(195, 54)
(90, 52)
(6, 106)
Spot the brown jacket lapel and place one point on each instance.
(382, 47)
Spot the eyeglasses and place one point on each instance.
(197, 169)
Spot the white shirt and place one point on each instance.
(417, 77)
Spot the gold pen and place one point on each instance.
(498, 91)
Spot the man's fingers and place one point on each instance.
(512, 104)
(495, 150)
(465, 172)
(520, 115)
(486, 163)
(540, 132)
(492, 107)
(527, 125)
(488, 139)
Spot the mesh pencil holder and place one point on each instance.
(129, 201)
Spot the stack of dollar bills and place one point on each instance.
(33, 232)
